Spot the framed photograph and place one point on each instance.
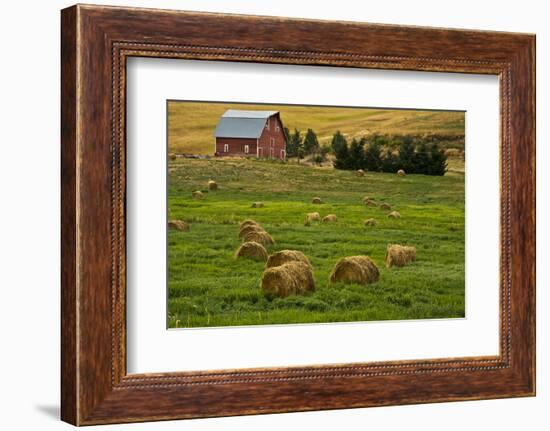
(265, 215)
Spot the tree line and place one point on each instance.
(375, 154)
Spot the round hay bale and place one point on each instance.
(291, 278)
(330, 218)
(250, 228)
(259, 236)
(360, 173)
(212, 185)
(252, 250)
(394, 214)
(172, 157)
(248, 222)
(178, 225)
(370, 222)
(316, 200)
(197, 194)
(257, 205)
(313, 217)
(400, 173)
(370, 203)
(399, 255)
(355, 269)
(284, 256)
(385, 207)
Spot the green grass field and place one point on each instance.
(209, 287)
(191, 124)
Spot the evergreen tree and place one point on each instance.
(373, 156)
(287, 136)
(389, 161)
(406, 155)
(422, 159)
(356, 154)
(311, 143)
(438, 160)
(337, 141)
(294, 143)
(341, 153)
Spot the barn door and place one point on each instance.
(271, 152)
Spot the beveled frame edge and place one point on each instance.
(96, 41)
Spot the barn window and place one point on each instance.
(225, 148)
(283, 155)
(272, 141)
(246, 149)
(277, 128)
(267, 124)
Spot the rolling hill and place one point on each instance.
(191, 124)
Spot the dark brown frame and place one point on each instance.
(95, 43)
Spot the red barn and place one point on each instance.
(250, 134)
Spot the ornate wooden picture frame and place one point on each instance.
(96, 42)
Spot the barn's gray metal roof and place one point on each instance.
(237, 113)
(242, 124)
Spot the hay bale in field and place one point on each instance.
(360, 173)
(370, 222)
(394, 214)
(316, 200)
(355, 269)
(252, 250)
(197, 194)
(385, 207)
(330, 218)
(400, 173)
(399, 255)
(366, 198)
(250, 228)
(172, 157)
(313, 217)
(178, 225)
(370, 203)
(284, 256)
(259, 236)
(212, 185)
(248, 222)
(257, 205)
(291, 278)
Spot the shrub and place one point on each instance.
(318, 159)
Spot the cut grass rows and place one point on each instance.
(209, 287)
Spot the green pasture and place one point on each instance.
(207, 286)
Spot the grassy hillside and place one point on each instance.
(209, 287)
(191, 124)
